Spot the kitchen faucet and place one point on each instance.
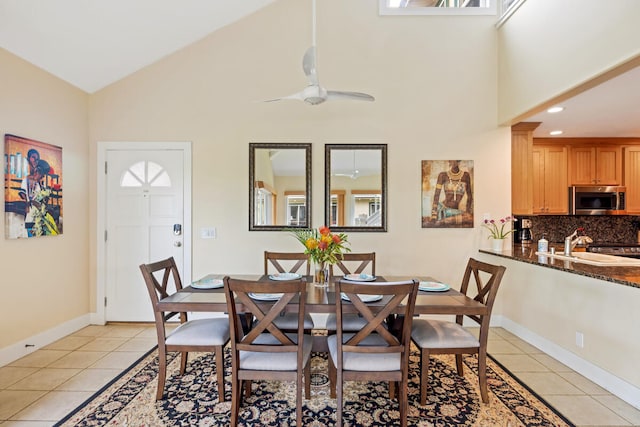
(572, 240)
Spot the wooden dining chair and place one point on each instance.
(373, 353)
(352, 263)
(289, 262)
(445, 337)
(356, 263)
(266, 352)
(202, 335)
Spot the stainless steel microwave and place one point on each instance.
(597, 200)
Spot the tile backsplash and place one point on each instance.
(623, 229)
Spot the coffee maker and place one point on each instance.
(524, 233)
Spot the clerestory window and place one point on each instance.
(438, 7)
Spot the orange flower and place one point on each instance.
(311, 243)
(323, 246)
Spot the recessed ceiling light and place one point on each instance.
(555, 109)
(555, 132)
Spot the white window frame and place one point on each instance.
(385, 9)
(263, 207)
(299, 202)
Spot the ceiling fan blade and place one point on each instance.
(299, 96)
(356, 96)
(348, 175)
(309, 65)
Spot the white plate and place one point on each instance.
(363, 297)
(360, 277)
(284, 276)
(433, 287)
(208, 284)
(266, 297)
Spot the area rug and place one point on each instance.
(192, 399)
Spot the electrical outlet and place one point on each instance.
(580, 339)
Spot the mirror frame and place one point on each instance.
(253, 146)
(328, 148)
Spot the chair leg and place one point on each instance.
(403, 404)
(162, 372)
(247, 388)
(332, 378)
(459, 365)
(236, 395)
(482, 375)
(307, 381)
(424, 375)
(299, 398)
(183, 361)
(220, 372)
(339, 396)
(392, 390)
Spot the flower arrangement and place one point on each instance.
(322, 245)
(497, 228)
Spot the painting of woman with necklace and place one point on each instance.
(452, 203)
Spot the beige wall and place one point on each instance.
(550, 48)
(45, 281)
(425, 108)
(549, 306)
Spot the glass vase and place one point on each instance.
(321, 273)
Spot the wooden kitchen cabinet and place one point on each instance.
(521, 168)
(632, 179)
(595, 165)
(550, 188)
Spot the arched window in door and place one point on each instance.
(145, 172)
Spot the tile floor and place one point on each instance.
(41, 388)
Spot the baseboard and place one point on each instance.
(617, 386)
(36, 342)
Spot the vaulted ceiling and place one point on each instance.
(93, 43)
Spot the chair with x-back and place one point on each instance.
(202, 335)
(356, 263)
(352, 263)
(446, 337)
(373, 353)
(267, 352)
(289, 262)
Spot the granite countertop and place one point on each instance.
(629, 276)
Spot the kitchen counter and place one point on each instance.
(628, 276)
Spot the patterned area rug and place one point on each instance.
(192, 399)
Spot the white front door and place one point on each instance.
(144, 223)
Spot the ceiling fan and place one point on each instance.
(315, 94)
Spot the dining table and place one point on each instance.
(322, 299)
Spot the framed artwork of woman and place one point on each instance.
(32, 188)
(447, 194)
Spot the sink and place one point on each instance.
(591, 258)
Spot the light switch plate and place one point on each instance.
(208, 233)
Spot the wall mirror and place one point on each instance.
(356, 187)
(279, 186)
